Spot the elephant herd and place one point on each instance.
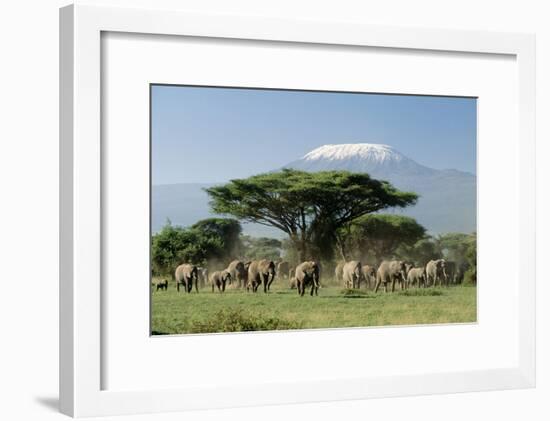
(250, 275)
(254, 274)
(393, 272)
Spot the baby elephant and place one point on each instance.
(416, 276)
(162, 285)
(292, 282)
(369, 275)
(219, 279)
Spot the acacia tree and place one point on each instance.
(309, 207)
(383, 234)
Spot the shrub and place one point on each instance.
(353, 293)
(470, 277)
(421, 292)
(208, 239)
(238, 320)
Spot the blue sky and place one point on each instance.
(205, 135)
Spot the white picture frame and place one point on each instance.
(82, 390)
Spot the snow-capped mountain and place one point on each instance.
(359, 157)
(447, 200)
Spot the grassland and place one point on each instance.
(282, 308)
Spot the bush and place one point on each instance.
(421, 292)
(353, 293)
(261, 248)
(470, 277)
(208, 239)
(238, 320)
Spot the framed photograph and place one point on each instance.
(258, 211)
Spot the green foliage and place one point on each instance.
(421, 252)
(261, 248)
(470, 276)
(381, 235)
(462, 249)
(239, 320)
(224, 230)
(354, 293)
(309, 207)
(454, 246)
(421, 292)
(209, 239)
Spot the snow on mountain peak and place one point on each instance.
(376, 159)
(376, 153)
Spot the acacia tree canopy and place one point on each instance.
(306, 206)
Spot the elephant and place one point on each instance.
(352, 274)
(162, 285)
(408, 267)
(219, 279)
(292, 282)
(369, 275)
(203, 276)
(450, 270)
(339, 272)
(390, 271)
(416, 276)
(246, 266)
(435, 271)
(238, 272)
(307, 273)
(283, 269)
(260, 271)
(292, 272)
(462, 268)
(187, 275)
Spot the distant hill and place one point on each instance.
(447, 197)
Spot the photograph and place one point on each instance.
(282, 209)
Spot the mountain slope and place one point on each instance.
(360, 157)
(447, 200)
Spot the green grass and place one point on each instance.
(282, 309)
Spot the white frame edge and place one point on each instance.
(80, 205)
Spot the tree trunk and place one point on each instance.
(303, 236)
(341, 247)
(300, 244)
(303, 250)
